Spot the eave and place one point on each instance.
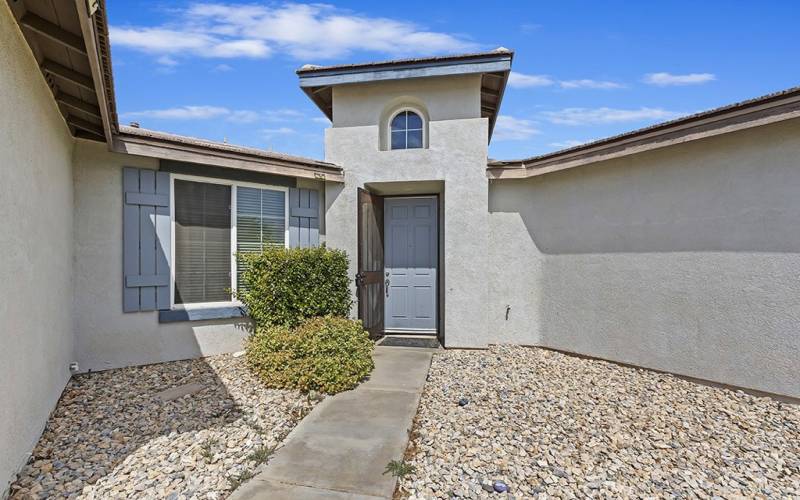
(70, 45)
(160, 145)
(772, 108)
(318, 81)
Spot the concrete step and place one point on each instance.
(406, 340)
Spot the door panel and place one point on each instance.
(423, 238)
(398, 306)
(424, 300)
(369, 280)
(411, 264)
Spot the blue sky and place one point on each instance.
(582, 70)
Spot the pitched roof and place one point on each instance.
(494, 66)
(770, 108)
(152, 143)
(394, 63)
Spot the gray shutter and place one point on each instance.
(303, 217)
(145, 240)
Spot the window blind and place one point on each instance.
(260, 221)
(202, 242)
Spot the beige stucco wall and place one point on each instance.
(455, 158)
(444, 98)
(36, 265)
(105, 336)
(685, 259)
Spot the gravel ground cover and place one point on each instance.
(112, 436)
(552, 425)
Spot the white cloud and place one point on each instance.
(590, 84)
(239, 48)
(158, 40)
(321, 119)
(271, 132)
(569, 143)
(313, 31)
(244, 116)
(232, 115)
(595, 116)
(522, 81)
(185, 42)
(283, 115)
(509, 128)
(223, 68)
(167, 61)
(181, 113)
(668, 79)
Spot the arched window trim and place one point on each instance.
(416, 111)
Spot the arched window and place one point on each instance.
(406, 130)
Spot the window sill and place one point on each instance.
(200, 314)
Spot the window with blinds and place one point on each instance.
(260, 222)
(202, 242)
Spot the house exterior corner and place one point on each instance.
(674, 248)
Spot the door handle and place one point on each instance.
(386, 286)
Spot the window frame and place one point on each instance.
(394, 114)
(233, 185)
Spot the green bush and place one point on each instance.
(285, 286)
(325, 354)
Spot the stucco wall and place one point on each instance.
(105, 336)
(685, 259)
(456, 157)
(36, 265)
(444, 98)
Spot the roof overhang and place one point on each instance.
(318, 81)
(69, 40)
(150, 143)
(772, 108)
(70, 45)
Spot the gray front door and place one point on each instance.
(411, 237)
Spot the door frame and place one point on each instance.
(438, 330)
(363, 278)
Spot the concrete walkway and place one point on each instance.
(341, 448)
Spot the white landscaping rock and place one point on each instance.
(171, 430)
(553, 425)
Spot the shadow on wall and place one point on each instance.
(734, 193)
(685, 259)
